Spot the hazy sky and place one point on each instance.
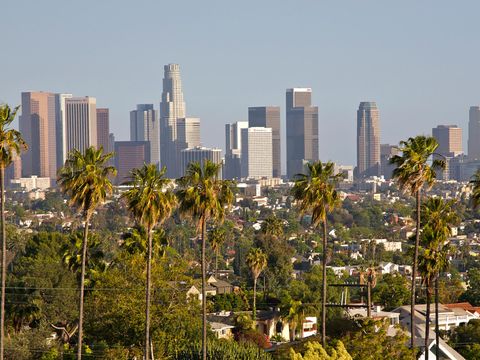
(419, 60)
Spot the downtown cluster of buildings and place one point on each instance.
(55, 123)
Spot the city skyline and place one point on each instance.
(342, 68)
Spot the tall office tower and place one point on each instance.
(130, 155)
(103, 129)
(302, 130)
(60, 120)
(80, 124)
(172, 108)
(269, 117)
(449, 138)
(13, 171)
(368, 140)
(200, 154)
(233, 146)
(474, 133)
(38, 127)
(188, 133)
(386, 152)
(144, 127)
(256, 159)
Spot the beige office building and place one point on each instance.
(269, 117)
(256, 160)
(188, 133)
(368, 140)
(103, 129)
(37, 124)
(449, 138)
(80, 130)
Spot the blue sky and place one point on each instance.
(419, 60)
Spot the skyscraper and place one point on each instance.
(474, 133)
(302, 130)
(103, 129)
(269, 117)
(386, 152)
(172, 108)
(38, 128)
(61, 121)
(200, 154)
(368, 140)
(144, 127)
(80, 124)
(130, 155)
(449, 138)
(188, 133)
(233, 149)
(256, 159)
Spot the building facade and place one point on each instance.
(144, 127)
(474, 133)
(269, 117)
(172, 108)
(386, 152)
(188, 133)
(103, 129)
(80, 124)
(368, 140)
(256, 158)
(449, 138)
(233, 149)
(200, 154)
(301, 130)
(130, 155)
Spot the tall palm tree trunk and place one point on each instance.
(414, 271)
(427, 322)
(324, 283)
(147, 296)
(204, 294)
(437, 335)
(82, 285)
(4, 262)
(254, 309)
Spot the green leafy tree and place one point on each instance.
(466, 339)
(413, 173)
(203, 197)
(151, 202)
(316, 194)
(391, 291)
(315, 351)
(11, 144)
(472, 294)
(257, 262)
(272, 226)
(475, 184)
(85, 178)
(293, 313)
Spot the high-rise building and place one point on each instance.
(188, 133)
(269, 117)
(386, 152)
(302, 130)
(256, 160)
(38, 128)
(449, 138)
(200, 154)
(103, 129)
(368, 140)
(80, 124)
(130, 155)
(172, 108)
(474, 133)
(61, 121)
(144, 127)
(233, 149)
(13, 171)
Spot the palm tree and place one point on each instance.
(151, 202)
(203, 197)
(438, 217)
(412, 173)
(293, 313)
(11, 144)
(216, 238)
(85, 178)
(257, 261)
(316, 194)
(475, 182)
(272, 226)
